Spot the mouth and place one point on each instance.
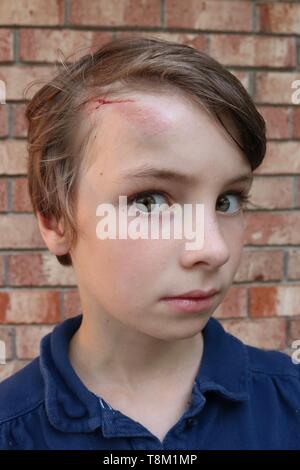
(192, 301)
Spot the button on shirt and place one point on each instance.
(243, 398)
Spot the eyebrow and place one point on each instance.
(178, 177)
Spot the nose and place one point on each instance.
(214, 251)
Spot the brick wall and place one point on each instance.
(257, 41)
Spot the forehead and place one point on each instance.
(145, 113)
(151, 126)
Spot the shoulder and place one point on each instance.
(272, 363)
(22, 392)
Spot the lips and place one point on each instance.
(195, 294)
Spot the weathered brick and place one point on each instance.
(115, 13)
(277, 121)
(71, 302)
(44, 44)
(1, 270)
(270, 301)
(18, 78)
(296, 122)
(20, 196)
(40, 269)
(281, 158)
(20, 231)
(3, 120)
(267, 228)
(37, 12)
(28, 340)
(234, 304)
(271, 192)
(294, 264)
(266, 333)
(7, 334)
(13, 154)
(20, 126)
(3, 194)
(274, 87)
(232, 15)
(255, 51)
(263, 265)
(278, 17)
(30, 306)
(6, 44)
(197, 40)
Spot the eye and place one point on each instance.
(146, 200)
(241, 199)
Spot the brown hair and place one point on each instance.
(55, 112)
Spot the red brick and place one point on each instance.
(232, 15)
(277, 121)
(44, 44)
(294, 264)
(3, 194)
(3, 120)
(281, 158)
(266, 333)
(296, 122)
(270, 301)
(197, 40)
(297, 192)
(72, 304)
(271, 192)
(256, 51)
(274, 87)
(18, 77)
(37, 12)
(6, 44)
(20, 126)
(278, 17)
(267, 228)
(294, 329)
(234, 304)
(40, 269)
(1, 270)
(28, 340)
(11, 368)
(112, 13)
(13, 155)
(7, 336)
(30, 306)
(20, 196)
(20, 231)
(243, 77)
(263, 265)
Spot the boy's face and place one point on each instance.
(124, 280)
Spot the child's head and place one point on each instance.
(172, 107)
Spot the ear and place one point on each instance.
(53, 234)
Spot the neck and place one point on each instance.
(125, 358)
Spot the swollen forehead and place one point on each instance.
(144, 116)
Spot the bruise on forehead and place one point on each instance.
(146, 117)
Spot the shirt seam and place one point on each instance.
(23, 412)
(280, 374)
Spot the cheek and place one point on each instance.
(234, 232)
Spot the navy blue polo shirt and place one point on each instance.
(243, 398)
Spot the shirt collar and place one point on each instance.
(71, 407)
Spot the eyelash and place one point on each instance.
(242, 195)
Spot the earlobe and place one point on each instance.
(53, 234)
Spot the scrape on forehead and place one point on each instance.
(148, 118)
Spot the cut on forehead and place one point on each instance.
(139, 110)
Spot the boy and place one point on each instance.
(145, 366)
